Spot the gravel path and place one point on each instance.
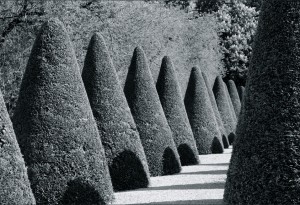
(201, 184)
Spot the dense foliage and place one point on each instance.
(160, 30)
(238, 24)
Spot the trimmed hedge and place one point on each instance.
(234, 96)
(216, 112)
(241, 90)
(232, 112)
(173, 105)
(219, 90)
(155, 133)
(55, 126)
(265, 163)
(15, 187)
(123, 148)
(201, 115)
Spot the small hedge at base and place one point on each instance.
(265, 163)
(232, 112)
(55, 126)
(201, 115)
(123, 148)
(155, 133)
(216, 112)
(234, 96)
(241, 90)
(219, 90)
(172, 102)
(15, 187)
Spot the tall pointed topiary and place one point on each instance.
(235, 99)
(55, 126)
(216, 112)
(201, 115)
(123, 148)
(265, 164)
(232, 112)
(172, 102)
(241, 90)
(219, 90)
(15, 187)
(155, 133)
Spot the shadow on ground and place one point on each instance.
(213, 172)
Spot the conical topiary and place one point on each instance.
(235, 99)
(265, 164)
(232, 112)
(123, 148)
(55, 126)
(15, 187)
(155, 133)
(201, 115)
(216, 112)
(172, 102)
(219, 90)
(241, 90)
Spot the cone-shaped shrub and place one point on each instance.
(201, 115)
(15, 187)
(216, 112)
(219, 90)
(123, 148)
(265, 164)
(241, 90)
(232, 112)
(155, 133)
(235, 99)
(55, 126)
(172, 102)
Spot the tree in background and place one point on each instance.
(238, 24)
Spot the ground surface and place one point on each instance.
(200, 184)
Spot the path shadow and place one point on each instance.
(200, 202)
(218, 185)
(219, 164)
(212, 172)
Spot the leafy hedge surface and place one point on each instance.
(234, 96)
(155, 133)
(15, 187)
(124, 25)
(115, 123)
(201, 115)
(232, 112)
(219, 90)
(55, 126)
(216, 112)
(241, 91)
(172, 102)
(265, 163)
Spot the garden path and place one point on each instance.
(200, 184)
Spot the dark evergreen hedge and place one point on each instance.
(216, 112)
(232, 112)
(55, 126)
(201, 115)
(155, 133)
(265, 163)
(241, 90)
(123, 148)
(172, 102)
(15, 187)
(234, 96)
(220, 91)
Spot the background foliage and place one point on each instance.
(160, 30)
